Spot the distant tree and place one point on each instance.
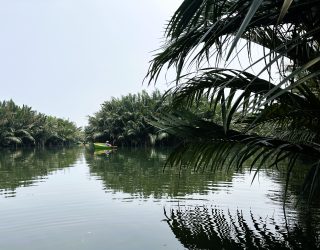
(22, 126)
(125, 121)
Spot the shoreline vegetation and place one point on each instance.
(131, 120)
(128, 121)
(125, 121)
(21, 126)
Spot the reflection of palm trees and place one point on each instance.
(140, 172)
(213, 228)
(25, 167)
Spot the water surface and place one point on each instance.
(72, 199)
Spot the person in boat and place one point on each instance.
(108, 144)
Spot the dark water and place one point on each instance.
(71, 199)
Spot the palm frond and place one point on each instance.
(188, 29)
(266, 120)
(13, 140)
(206, 145)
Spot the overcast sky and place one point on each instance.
(66, 57)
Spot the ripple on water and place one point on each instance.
(121, 199)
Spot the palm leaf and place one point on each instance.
(206, 145)
(251, 108)
(284, 9)
(244, 25)
(13, 140)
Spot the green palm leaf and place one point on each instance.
(254, 117)
(205, 145)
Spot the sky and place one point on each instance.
(66, 57)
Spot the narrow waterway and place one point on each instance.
(72, 199)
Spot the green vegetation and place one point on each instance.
(22, 126)
(124, 121)
(268, 118)
(129, 120)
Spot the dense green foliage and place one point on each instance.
(280, 113)
(129, 120)
(22, 126)
(124, 121)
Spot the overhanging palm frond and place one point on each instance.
(211, 25)
(245, 91)
(12, 140)
(191, 128)
(206, 145)
(289, 122)
(24, 135)
(266, 118)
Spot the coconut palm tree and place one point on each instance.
(123, 120)
(21, 126)
(270, 114)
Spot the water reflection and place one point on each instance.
(140, 173)
(22, 168)
(221, 210)
(296, 188)
(215, 228)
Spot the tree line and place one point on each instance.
(124, 121)
(131, 120)
(23, 126)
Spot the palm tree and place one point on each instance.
(269, 118)
(124, 120)
(21, 126)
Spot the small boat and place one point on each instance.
(102, 146)
(103, 152)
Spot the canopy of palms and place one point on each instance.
(268, 118)
(22, 126)
(123, 120)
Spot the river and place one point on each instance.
(73, 199)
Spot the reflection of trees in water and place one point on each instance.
(25, 167)
(295, 189)
(213, 228)
(140, 172)
(296, 200)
